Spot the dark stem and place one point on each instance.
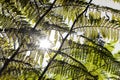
(64, 54)
(47, 11)
(37, 7)
(109, 54)
(8, 60)
(46, 68)
(17, 61)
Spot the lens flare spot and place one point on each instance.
(45, 44)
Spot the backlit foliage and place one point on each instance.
(81, 56)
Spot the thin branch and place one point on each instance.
(49, 63)
(47, 11)
(8, 61)
(37, 7)
(64, 54)
(18, 61)
(76, 67)
(20, 30)
(92, 71)
(109, 54)
(61, 35)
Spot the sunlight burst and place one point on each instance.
(45, 44)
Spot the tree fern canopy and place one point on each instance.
(59, 40)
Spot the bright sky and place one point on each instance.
(108, 3)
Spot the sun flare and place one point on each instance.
(45, 44)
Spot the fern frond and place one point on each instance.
(91, 27)
(17, 61)
(92, 7)
(21, 73)
(96, 55)
(64, 68)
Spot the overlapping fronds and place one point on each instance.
(72, 71)
(18, 20)
(83, 55)
(75, 7)
(95, 54)
(95, 24)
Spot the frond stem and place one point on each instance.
(18, 61)
(8, 61)
(49, 63)
(47, 11)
